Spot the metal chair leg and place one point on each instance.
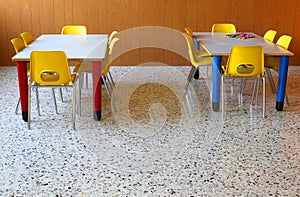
(264, 96)
(253, 91)
(54, 98)
(223, 95)
(191, 74)
(37, 101)
(74, 107)
(270, 79)
(29, 106)
(18, 106)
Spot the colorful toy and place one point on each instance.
(240, 36)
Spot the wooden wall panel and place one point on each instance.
(35, 18)
(59, 15)
(3, 35)
(49, 16)
(69, 17)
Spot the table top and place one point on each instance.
(90, 47)
(218, 44)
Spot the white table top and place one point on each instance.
(90, 47)
(218, 44)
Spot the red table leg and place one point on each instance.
(23, 88)
(97, 88)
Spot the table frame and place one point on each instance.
(90, 48)
(219, 45)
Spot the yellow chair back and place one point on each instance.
(18, 44)
(196, 59)
(74, 29)
(49, 68)
(192, 49)
(111, 36)
(108, 59)
(224, 27)
(284, 41)
(270, 35)
(27, 38)
(245, 61)
(189, 31)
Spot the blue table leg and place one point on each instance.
(282, 76)
(216, 76)
(196, 75)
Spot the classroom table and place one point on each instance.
(91, 47)
(219, 45)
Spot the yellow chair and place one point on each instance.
(106, 63)
(27, 38)
(19, 45)
(224, 27)
(273, 62)
(50, 69)
(196, 58)
(245, 62)
(74, 29)
(270, 35)
(86, 67)
(199, 50)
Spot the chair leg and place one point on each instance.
(37, 101)
(253, 91)
(86, 80)
(257, 92)
(287, 99)
(264, 96)
(61, 95)
(273, 87)
(270, 79)
(223, 96)
(80, 84)
(109, 92)
(54, 99)
(111, 78)
(191, 74)
(29, 106)
(74, 107)
(18, 106)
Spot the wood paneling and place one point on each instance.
(103, 16)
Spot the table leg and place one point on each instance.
(23, 88)
(282, 76)
(97, 88)
(216, 77)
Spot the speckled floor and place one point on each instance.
(156, 142)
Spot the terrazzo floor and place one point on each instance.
(156, 143)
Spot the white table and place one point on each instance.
(219, 45)
(90, 48)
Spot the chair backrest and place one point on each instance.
(108, 58)
(245, 61)
(111, 36)
(284, 41)
(189, 31)
(270, 35)
(74, 29)
(224, 27)
(18, 44)
(192, 48)
(27, 38)
(49, 68)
